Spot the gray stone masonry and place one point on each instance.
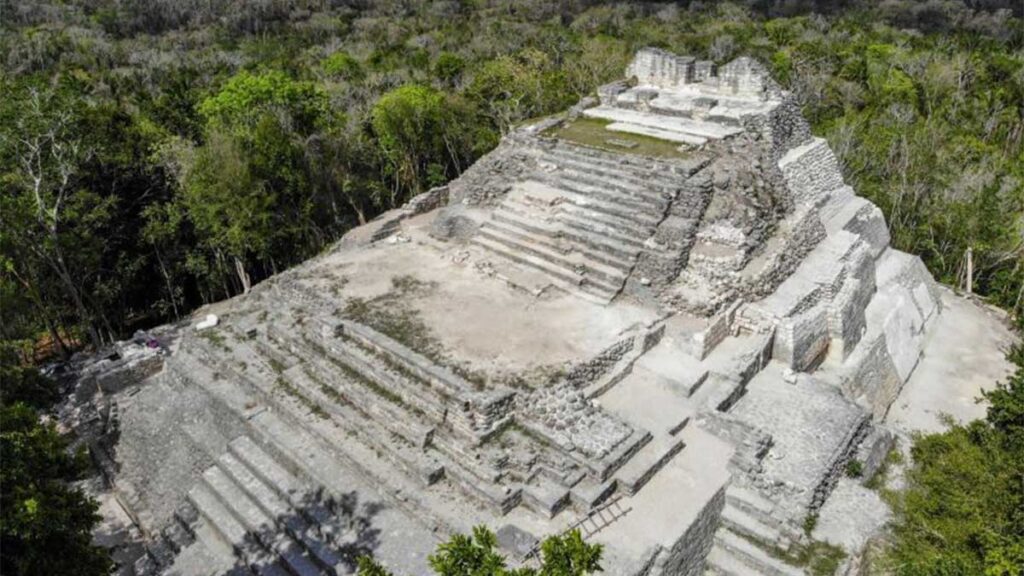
(677, 345)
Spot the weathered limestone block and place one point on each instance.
(903, 328)
(700, 343)
(694, 196)
(132, 369)
(869, 375)
(859, 216)
(608, 93)
(660, 68)
(811, 172)
(686, 557)
(704, 69)
(873, 451)
(746, 76)
(799, 234)
(801, 341)
(895, 267)
(846, 318)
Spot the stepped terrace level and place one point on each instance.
(661, 318)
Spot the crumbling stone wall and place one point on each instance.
(686, 557)
(660, 68)
(811, 171)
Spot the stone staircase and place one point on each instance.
(750, 538)
(271, 520)
(582, 220)
(280, 501)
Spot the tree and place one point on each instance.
(411, 126)
(962, 511)
(245, 98)
(246, 189)
(46, 152)
(475, 555)
(45, 526)
(20, 381)
(449, 68)
(343, 65)
(231, 210)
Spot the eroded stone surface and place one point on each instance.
(676, 345)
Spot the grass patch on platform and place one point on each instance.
(216, 338)
(817, 558)
(290, 389)
(391, 315)
(594, 132)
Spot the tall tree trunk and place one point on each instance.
(60, 267)
(243, 276)
(167, 282)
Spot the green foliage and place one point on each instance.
(476, 555)
(854, 469)
(20, 381)
(246, 97)
(449, 67)
(569, 555)
(1006, 405)
(963, 509)
(45, 526)
(411, 124)
(342, 65)
(466, 555)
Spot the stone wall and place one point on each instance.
(803, 232)
(811, 171)
(802, 340)
(660, 68)
(871, 379)
(487, 181)
(686, 557)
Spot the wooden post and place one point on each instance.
(970, 270)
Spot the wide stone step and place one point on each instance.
(659, 133)
(623, 227)
(592, 202)
(371, 431)
(640, 187)
(747, 525)
(753, 556)
(555, 239)
(287, 486)
(569, 248)
(256, 521)
(589, 493)
(722, 562)
(548, 498)
(625, 249)
(245, 510)
(225, 526)
(333, 402)
(632, 476)
(268, 500)
(570, 278)
(638, 169)
(650, 183)
(676, 124)
(379, 377)
(273, 506)
(753, 504)
(573, 261)
(631, 199)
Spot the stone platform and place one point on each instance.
(663, 319)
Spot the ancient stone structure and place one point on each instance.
(662, 318)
